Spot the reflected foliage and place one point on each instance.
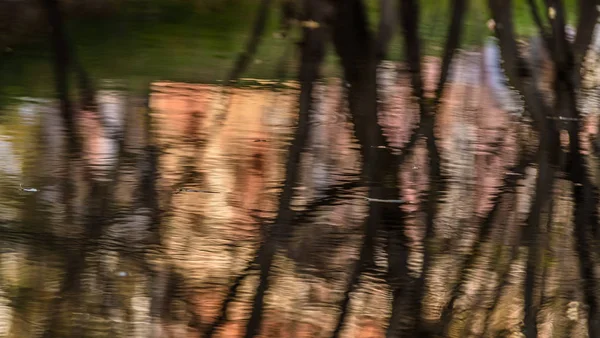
(448, 194)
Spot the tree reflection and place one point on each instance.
(409, 201)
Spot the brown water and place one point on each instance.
(144, 229)
(157, 212)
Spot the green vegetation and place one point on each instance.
(185, 41)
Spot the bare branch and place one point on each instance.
(513, 63)
(518, 74)
(254, 41)
(586, 200)
(357, 51)
(508, 188)
(542, 198)
(537, 19)
(452, 43)
(585, 196)
(231, 294)
(409, 17)
(409, 13)
(559, 47)
(332, 196)
(313, 51)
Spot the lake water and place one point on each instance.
(150, 223)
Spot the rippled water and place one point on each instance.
(151, 223)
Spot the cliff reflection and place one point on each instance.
(144, 229)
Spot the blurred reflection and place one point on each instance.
(162, 209)
(149, 225)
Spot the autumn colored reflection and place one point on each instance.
(449, 194)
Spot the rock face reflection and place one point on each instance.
(143, 231)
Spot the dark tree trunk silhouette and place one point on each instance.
(541, 201)
(409, 20)
(75, 261)
(533, 8)
(65, 60)
(459, 7)
(510, 183)
(289, 13)
(313, 51)
(409, 14)
(567, 62)
(567, 79)
(358, 54)
(244, 59)
(387, 26)
(60, 48)
(515, 68)
(86, 88)
(332, 196)
(231, 294)
(588, 17)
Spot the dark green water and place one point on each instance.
(178, 41)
